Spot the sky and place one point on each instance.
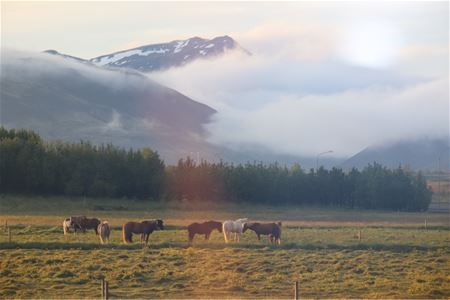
(323, 75)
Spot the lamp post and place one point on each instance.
(317, 158)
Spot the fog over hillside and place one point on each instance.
(64, 99)
(297, 108)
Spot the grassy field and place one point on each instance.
(396, 257)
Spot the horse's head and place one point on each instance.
(279, 224)
(160, 224)
(219, 227)
(244, 227)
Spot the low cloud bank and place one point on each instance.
(303, 107)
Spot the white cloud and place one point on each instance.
(301, 107)
(345, 122)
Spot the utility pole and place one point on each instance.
(318, 155)
(439, 182)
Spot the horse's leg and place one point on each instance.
(259, 237)
(225, 236)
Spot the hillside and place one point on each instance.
(67, 100)
(423, 154)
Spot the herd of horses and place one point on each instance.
(229, 229)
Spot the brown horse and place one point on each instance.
(203, 228)
(145, 228)
(273, 230)
(85, 223)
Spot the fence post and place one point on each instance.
(6, 225)
(359, 235)
(106, 290)
(296, 290)
(9, 235)
(103, 288)
(426, 225)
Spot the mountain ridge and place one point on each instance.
(162, 56)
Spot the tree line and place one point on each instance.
(30, 165)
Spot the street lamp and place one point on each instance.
(317, 158)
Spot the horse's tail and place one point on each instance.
(126, 236)
(100, 235)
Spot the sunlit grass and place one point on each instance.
(395, 258)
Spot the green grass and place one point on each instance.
(396, 258)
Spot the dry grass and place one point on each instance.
(396, 258)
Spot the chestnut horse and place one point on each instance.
(145, 228)
(271, 229)
(203, 228)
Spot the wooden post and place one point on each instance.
(103, 288)
(296, 290)
(106, 290)
(426, 225)
(359, 235)
(9, 235)
(6, 225)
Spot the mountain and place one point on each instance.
(74, 58)
(163, 56)
(65, 99)
(422, 154)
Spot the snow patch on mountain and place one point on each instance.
(163, 56)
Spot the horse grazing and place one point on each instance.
(271, 229)
(145, 228)
(203, 228)
(233, 227)
(103, 232)
(85, 223)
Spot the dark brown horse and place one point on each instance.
(273, 230)
(145, 228)
(203, 228)
(85, 223)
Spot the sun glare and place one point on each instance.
(370, 44)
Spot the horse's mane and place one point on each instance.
(242, 220)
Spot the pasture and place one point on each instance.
(397, 257)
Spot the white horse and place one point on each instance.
(103, 232)
(235, 227)
(67, 224)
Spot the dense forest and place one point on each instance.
(29, 165)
